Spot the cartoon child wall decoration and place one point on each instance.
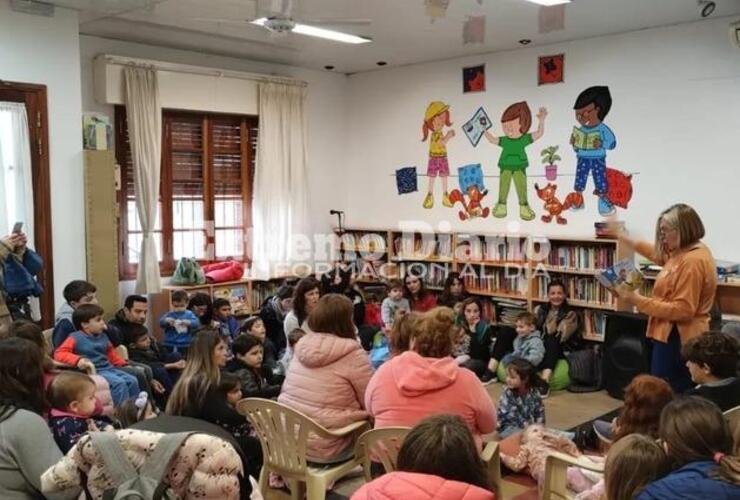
(516, 121)
(436, 118)
(590, 142)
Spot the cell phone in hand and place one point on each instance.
(17, 227)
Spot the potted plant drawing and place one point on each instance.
(549, 158)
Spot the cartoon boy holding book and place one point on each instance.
(590, 142)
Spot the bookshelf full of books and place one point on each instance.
(245, 295)
(510, 271)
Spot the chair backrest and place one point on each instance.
(47, 339)
(556, 468)
(283, 433)
(380, 445)
(733, 417)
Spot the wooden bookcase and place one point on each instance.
(513, 271)
(246, 295)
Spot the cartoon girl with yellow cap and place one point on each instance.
(436, 118)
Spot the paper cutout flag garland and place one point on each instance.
(436, 9)
(476, 126)
(406, 180)
(470, 175)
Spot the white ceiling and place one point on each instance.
(402, 32)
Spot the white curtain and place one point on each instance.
(16, 181)
(144, 116)
(280, 199)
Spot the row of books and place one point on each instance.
(581, 288)
(507, 310)
(363, 241)
(475, 248)
(497, 281)
(428, 246)
(260, 291)
(580, 257)
(594, 324)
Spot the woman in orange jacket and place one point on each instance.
(683, 294)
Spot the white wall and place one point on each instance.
(676, 115)
(45, 51)
(326, 110)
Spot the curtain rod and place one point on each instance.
(200, 70)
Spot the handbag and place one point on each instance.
(188, 272)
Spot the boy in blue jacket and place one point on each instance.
(179, 324)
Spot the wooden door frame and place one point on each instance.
(34, 96)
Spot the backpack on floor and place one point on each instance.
(585, 370)
(148, 482)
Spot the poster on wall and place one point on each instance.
(551, 69)
(474, 79)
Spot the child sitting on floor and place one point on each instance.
(136, 410)
(90, 347)
(293, 337)
(394, 302)
(528, 342)
(712, 362)
(74, 409)
(179, 324)
(247, 365)
(644, 399)
(520, 404)
(255, 326)
(228, 326)
(633, 462)
(166, 367)
(537, 442)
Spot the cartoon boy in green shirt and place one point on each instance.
(516, 121)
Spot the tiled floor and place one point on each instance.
(563, 410)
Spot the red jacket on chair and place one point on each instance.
(218, 272)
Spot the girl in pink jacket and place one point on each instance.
(438, 460)
(426, 381)
(328, 375)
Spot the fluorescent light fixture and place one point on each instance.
(549, 3)
(304, 29)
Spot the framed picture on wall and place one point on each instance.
(551, 69)
(474, 79)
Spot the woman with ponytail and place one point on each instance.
(699, 445)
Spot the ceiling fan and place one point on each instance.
(277, 18)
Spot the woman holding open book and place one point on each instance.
(683, 294)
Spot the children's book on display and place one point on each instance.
(623, 272)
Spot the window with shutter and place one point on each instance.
(207, 171)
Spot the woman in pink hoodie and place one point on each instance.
(328, 375)
(437, 461)
(426, 381)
